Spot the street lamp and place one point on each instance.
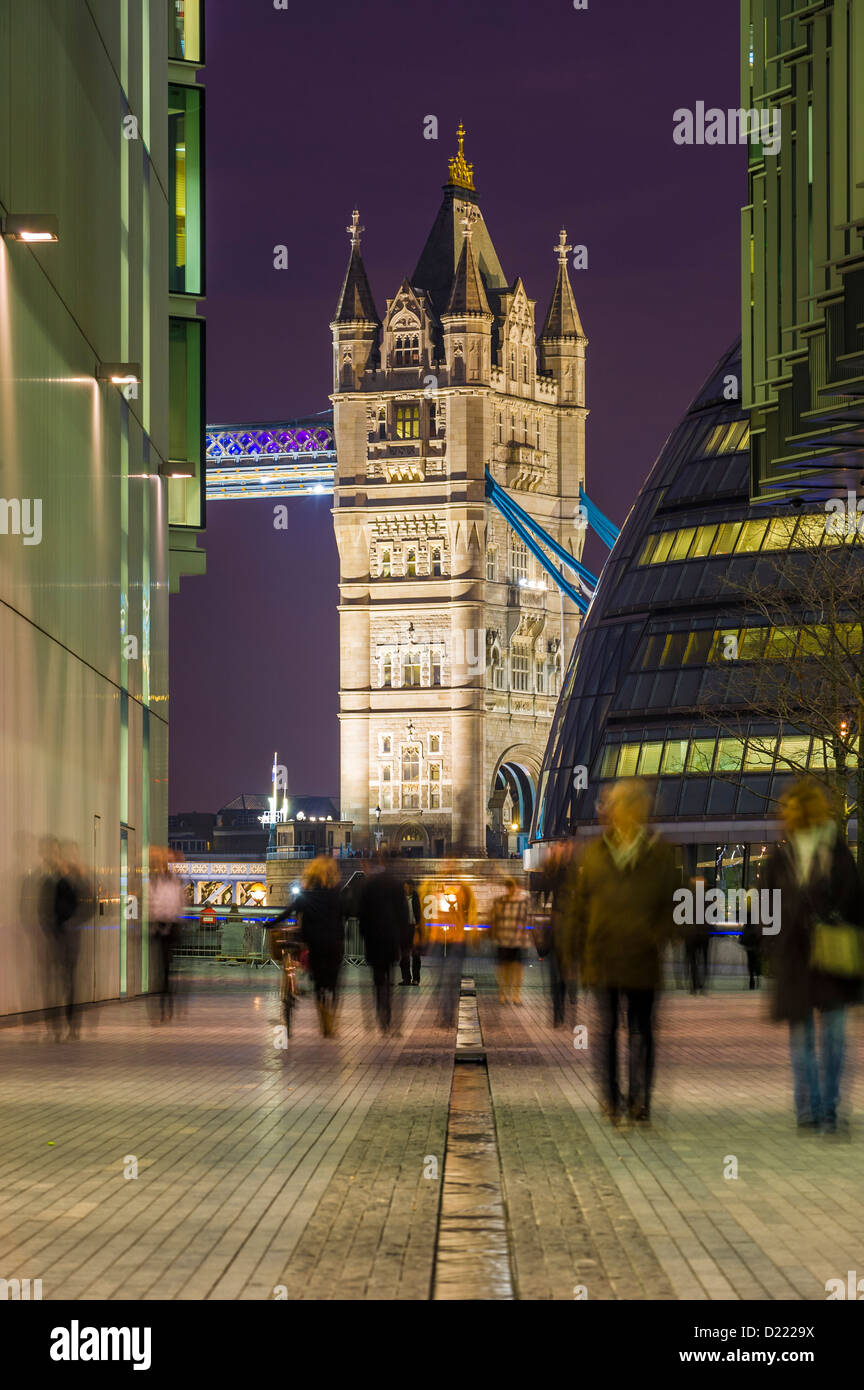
(377, 827)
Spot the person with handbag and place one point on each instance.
(816, 957)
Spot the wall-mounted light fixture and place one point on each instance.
(31, 226)
(175, 470)
(119, 373)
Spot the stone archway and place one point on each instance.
(511, 801)
(411, 840)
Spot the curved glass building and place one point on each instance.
(651, 659)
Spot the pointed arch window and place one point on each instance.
(525, 367)
(411, 669)
(436, 562)
(500, 428)
(411, 564)
(491, 566)
(513, 362)
(407, 422)
(386, 564)
(386, 682)
(539, 435)
(406, 350)
(382, 422)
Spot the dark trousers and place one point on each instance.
(450, 981)
(697, 963)
(382, 983)
(640, 1037)
(561, 989)
(409, 964)
(754, 966)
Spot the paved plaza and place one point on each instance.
(316, 1171)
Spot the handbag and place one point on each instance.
(837, 948)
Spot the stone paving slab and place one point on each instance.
(258, 1167)
(647, 1213)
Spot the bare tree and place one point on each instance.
(793, 656)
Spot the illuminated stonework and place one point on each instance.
(450, 634)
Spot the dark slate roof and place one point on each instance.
(467, 295)
(562, 320)
(440, 257)
(356, 304)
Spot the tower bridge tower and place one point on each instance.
(452, 640)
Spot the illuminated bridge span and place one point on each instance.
(285, 460)
(278, 460)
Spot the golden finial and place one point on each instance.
(562, 248)
(355, 229)
(461, 174)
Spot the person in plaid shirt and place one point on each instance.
(509, 924)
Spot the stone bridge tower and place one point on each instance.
(451, 635)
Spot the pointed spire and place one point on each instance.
(356, 304)
(467, 295)
(562, 320)
(461, 174)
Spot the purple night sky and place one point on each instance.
(317, 109)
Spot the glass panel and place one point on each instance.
(185, 189)
(649, 759)
(811, 530)
(752, 535)
(184, 31)
(186, 424)
(783, 643)
(664, 545)
(703, 542)
(698, 647)
(760, 754)
(610, 761)
(815, 639)
(730, 753)
(682, 543)
(727, 534)
(780, 533)
(793, 753)
(673, 649)
(628, 760)
(674, 756)
(724, 646)
(647, 550)
(653, 651)
(701, 755)
(752, 642)
(744, 441)
(731, 438)
(820, 756)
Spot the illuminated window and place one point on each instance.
(730, 754)
(628, 760)
(752, 643)
(185, 31)
(674, 757)
(411, 669)
(186, 424)
(647, 551)
(701, 756)
(727, 535)
(793, 753)
(387, 680)
(434, 743)
(500, 428)
(649, 759)
(752, 536)
(436, 562)
(411, 564)
(703, 542)
(434, 772)
(518, 559)
(386, 773)
(609, 761)
(781, 529)
(382, 422)
(407, 422)
(662, 548)
(525, 367)
(386, 563)
(760, 753)
(386, 744)
(491, 566)
(520, 667)
(682, 543)
(406, 351)
(436, 668)
(698, 647)
(410, 764)
(673, 649)
(185, 189)
(783, 643)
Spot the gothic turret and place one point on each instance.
(467, 319)
(562, 342)
(356, 326)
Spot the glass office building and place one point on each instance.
(101, 458)
(672, 595)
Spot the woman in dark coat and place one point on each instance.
(817, 880)
(320, 912)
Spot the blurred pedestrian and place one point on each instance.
(449, 907)
(697, 939)
(320, 910)
(751, 940)
(167, 902)
(509, 924)
(62, 906)
(622, 919)
(413, 941)
(815, 957)
(383, 920)
(556, 884)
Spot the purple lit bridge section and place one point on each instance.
(279, 460)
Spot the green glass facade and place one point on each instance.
(802, 256)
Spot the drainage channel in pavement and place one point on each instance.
(472, 1257)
